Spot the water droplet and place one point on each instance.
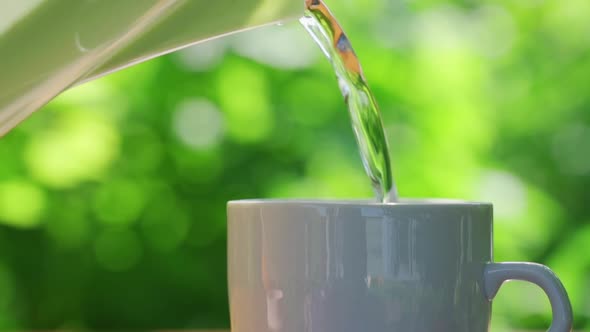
(79, 45)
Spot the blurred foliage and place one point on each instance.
(112, 198)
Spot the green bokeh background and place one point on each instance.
(112, 197)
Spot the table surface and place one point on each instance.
(227, 330)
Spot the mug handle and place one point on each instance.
(495, 274)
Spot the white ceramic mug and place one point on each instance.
(345, 266)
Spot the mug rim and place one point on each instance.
(434, 202)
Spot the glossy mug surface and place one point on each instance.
(350, 266)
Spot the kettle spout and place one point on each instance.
(48, 46)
